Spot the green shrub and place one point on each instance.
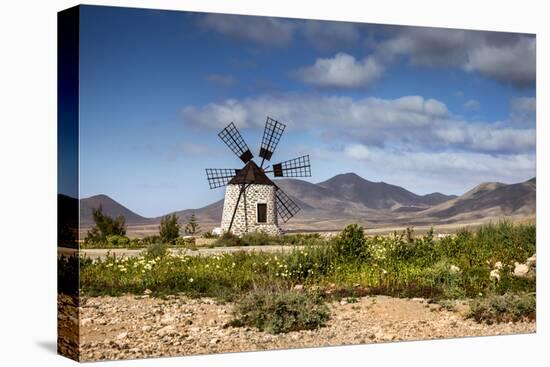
(351, 244)
(156, 250)
(260, 239)
(209, 234)
(169, 229)
(227, 239)
(281, 312)
(117, 241)
(503, 308)
(105, 226)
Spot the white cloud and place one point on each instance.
(328, 35)
(524, 104)
(513, 62)
(472, 105)
(261, 30)
(505, 57)
(410, 122)
(341, 71)
(357, 151)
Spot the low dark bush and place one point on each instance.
(281, 312)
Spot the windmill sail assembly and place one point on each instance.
(253, 202)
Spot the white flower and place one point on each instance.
(190, 280)
(498, 265)
(454, 269)
(495, 274)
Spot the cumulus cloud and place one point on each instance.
(410, 122)
(462, 166)
(261, 30)
(523, 110)
(357, 151)
(524, 104)
(341, 71)
(328, 35)
(505, 57)
(472, 105)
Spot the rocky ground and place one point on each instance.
(142, 326)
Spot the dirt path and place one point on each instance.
(101, 253)
(137, 327)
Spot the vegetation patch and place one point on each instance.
(281, 312)
(503, 308)
(400, 264)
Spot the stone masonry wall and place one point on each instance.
(246, 215)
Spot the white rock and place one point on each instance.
(498, 265)
(299, 287)
(532, 261)
(454, 269)
(167, 320)
(495, 274)
(122, 336)
(146, 328)
(521, 270)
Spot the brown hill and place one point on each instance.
(492, 199)
(110, 207)
(349, 198)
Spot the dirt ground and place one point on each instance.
(140, 326)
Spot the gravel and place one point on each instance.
(131, 327)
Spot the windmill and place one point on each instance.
(253, 202)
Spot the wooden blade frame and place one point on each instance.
(272, 134)
(297, 167)
(286, 208)
(233, 139)
(218, 177)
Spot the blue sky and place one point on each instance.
(424, 108)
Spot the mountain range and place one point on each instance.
(348, 198)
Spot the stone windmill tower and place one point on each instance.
(253, 202)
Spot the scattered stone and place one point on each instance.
(167, 330)
(372, 319)
(167, 320)
(299, 287)
(521, 270)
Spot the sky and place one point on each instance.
(428, 109)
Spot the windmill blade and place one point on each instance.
(272, 134)
(218, 177)
(233, 139)
(297, 167)
(286, 208)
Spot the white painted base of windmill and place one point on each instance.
(246, 216)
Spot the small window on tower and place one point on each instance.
(262, 213)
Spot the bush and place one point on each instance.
(227, 239)
(281, 312)
(260, 239)
(169, 229)
(351, 244)
(105, 226)
(156, 250)
(209, 235)
(117, 241)
(503, 308)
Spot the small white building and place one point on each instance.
(250, 203)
